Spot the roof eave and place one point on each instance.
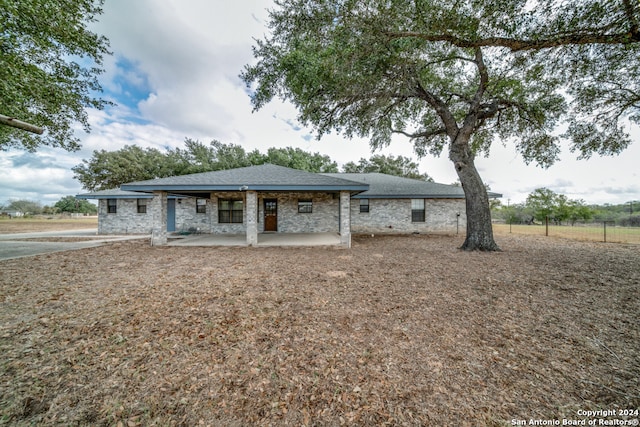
(176, 188)
(409, 196)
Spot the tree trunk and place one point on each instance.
(479, 228)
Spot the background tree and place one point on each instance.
(398, 166)
(542, 202)
(517, 213)
(49, 63)
(110, 169)
(27, 207)
(579, 211)
(297, 158)
(72, 205)
(455, 74)
(197, 157)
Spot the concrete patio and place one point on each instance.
(264, 239)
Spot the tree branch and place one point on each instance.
(440, 107)
(515, 45)
(425, 134)
(13, 122)
(484, 77)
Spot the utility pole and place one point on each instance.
(13, 122)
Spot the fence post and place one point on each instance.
(605, 231)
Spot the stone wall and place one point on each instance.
(394, 216)
(126, 220)
(384, 216)
(187, 219)
(212, 207)
(323, 218)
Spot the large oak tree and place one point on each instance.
(455, 75)
(49, 64)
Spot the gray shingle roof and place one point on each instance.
(114, 193)
(394, 187)
(278, 178)
(262, 177)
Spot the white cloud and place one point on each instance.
(174, 74)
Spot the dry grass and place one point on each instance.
(28, 225)
(593, 233)
(396, 331)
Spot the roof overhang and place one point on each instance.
(90, 196)
(409, 196)
(212, 188)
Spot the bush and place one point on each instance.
(631, 221)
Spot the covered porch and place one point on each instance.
(262, 205)
(263, 240)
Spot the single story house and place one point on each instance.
(276, 199)
(12, 213)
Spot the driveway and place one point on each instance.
(20, 245)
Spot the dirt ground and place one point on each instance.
(398, 330)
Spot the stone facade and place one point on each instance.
(323, 217)
(189, 219)
(251, 217)
(327, 213)
(394, 216)
(126, 219)
(345, 218)
(158, 210)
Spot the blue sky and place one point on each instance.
(174, 75)
(129, 86)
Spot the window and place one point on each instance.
(230, 211)
(142, 205)
(201, 205)
(417, 210)
(112, 205)
(305, 206)
(364, 205)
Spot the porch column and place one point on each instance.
(252, 218)
(345, 218)
(159, 225)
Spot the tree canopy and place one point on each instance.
(27, 207)
(390, 165)
(110, 169)
(543, 204)
(49, 63)
(72, 205)
(455, 75)
(297, 158)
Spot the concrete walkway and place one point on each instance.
(15, 245)
(264, 239)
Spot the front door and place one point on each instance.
(270, 215)
(171, 215)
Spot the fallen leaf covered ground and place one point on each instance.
(398, 330)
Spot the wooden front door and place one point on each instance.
(270, 215)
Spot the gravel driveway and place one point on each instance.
(18, 245)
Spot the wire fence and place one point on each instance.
(604, 231)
